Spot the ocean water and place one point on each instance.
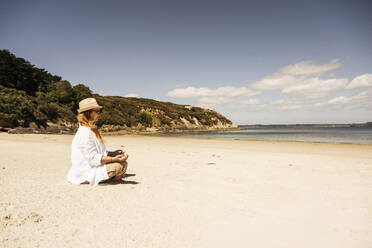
(305, 134)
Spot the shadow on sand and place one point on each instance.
(109, 182)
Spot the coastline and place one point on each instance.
(32, 136)
(114, 131)
(354, 135)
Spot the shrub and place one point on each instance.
(144, 118)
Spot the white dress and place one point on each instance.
(86, 154)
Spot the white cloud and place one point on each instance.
(274, 82)
(304, 80)
(337, 103)
(252, 101)
(296, 79)
(291, 107)
(131, 95)
(340, 100)
(288, 104)
(212, 102)
(315, 87)
(364, 96)
(211, 98)
(308, 68)
(226, 91)
(253, 104)
(290, 101)
(362, 99)
(361, 81)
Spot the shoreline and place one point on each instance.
(188, 134)
(197, 138)
(124, 130)
(266, 141)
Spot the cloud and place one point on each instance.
(308, 68)
(288, 104)
(252, 101)
(226, 91)
(274, 82)
(212, 102)
(363, 99)
(315, 87)
(131, 95)
(361, 81)
(211, 98)
(253, 104)
(337, 103)
(304, 80)
(364, 96)
(299, 79)
(286, 101)
(291, 107)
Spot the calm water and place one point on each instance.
(331, 135)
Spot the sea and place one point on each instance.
(347, 135)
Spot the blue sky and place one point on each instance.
(256, 62)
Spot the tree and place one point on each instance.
(20, 74)
(61, 92)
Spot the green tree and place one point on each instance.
(20, 74)
(80, 92)
(61, 92)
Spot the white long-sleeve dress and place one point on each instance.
(86, 154)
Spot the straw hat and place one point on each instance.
(87, 104)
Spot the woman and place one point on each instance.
(90, 163)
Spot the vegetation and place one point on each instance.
(32, 95)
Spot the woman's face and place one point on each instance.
(94, 114)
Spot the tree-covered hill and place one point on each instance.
(32, 97)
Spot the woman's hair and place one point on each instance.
(84, 120)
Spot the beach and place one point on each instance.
(182, 192)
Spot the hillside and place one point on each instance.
(33, 100)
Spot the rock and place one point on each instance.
(51, 124)
(151, 129)
(188, 124)
(33, 125)
(48, 130)
(20, 130)
(4, 129)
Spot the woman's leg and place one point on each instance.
(121, 173)
(116, 171)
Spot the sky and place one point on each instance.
(255, 62)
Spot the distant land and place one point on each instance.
(356, 125)
(34, 101)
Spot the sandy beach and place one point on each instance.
(188, 193)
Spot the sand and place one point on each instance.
(188, 193)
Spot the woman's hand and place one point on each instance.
(120, 158)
